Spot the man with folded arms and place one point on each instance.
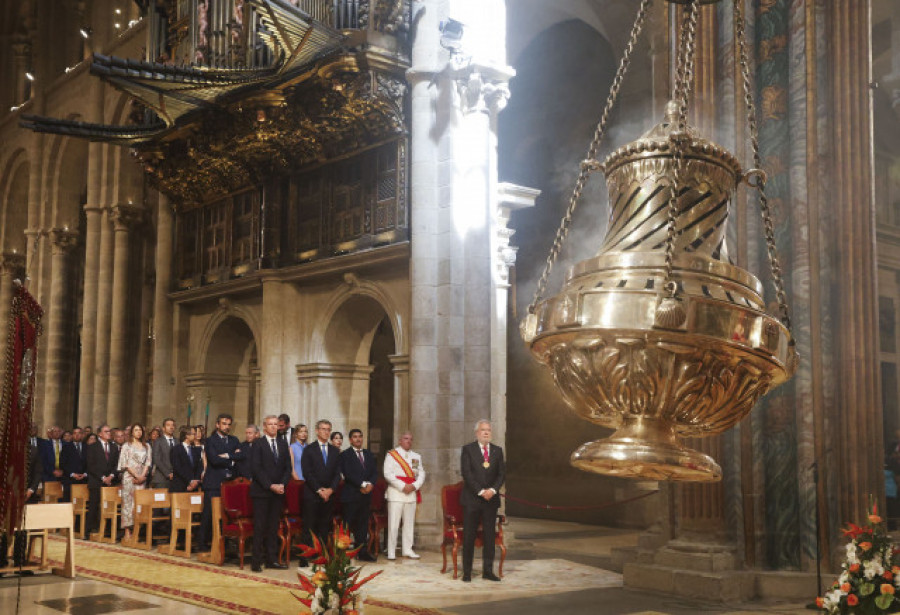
(405, 475)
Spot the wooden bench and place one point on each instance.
(110, 508)
(184, 507)
(146, 503)
(38, 521)
(80, 497)
(53, 492)
(216, 554)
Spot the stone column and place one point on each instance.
(21, 51)
(400, 368)
(12, 267)
(104, 309)
(124, 218)
(162, 396)
(58, 406)
(270, 348)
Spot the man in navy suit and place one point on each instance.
(270, 465)
(321, 467)
(72, 459)
(102, 471)
(483, 472)
(222, 452)
(360, 473)
(186, 463)
(50, 451)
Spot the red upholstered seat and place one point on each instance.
(377, 516)
(453, 527)
(237, 521)
(292, 518)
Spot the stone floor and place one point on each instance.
(552, 566)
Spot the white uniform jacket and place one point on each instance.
(392, 470)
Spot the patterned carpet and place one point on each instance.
(226, 588)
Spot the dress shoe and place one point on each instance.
(256, 568)
(391, 558)
(490, 576)
(412, 555)
(467, 578)
(277, 566)
(365, 557)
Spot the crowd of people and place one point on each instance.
(135, 458)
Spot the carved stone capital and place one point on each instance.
(12, 264)
(483, 89)
(126, 217)
(62, 240)
(510, 198)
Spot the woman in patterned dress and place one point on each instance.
(134, 464)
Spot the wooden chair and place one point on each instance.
(110, 508)
(378, 519)
(80, 497)
(146, 503)
(238, 519)
(291, 519)
(453, 527)
(53, 492)
(184, 506)
(216, 554)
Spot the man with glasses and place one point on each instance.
(321, 467)
(102, 464)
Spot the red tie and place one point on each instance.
(487, 457)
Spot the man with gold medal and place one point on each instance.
(484, 472)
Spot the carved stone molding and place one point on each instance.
(62, 241)
(483, 88)
(127, 217)
(510, 197)
(12, 264)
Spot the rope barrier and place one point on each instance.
(510, 498)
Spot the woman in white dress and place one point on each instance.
(134, 464)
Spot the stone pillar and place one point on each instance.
(58, 406)
(21, 51)
(400, 368)
(336, 391)
(12, 267)
(270, 349)
(89, 313)
(162, 396)
(104, 309)
(124, 218)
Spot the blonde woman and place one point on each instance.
(134, 464)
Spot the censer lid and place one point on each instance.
(657, 142)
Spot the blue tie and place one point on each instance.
(325, 453)
(274, 450)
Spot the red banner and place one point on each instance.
(16, 405)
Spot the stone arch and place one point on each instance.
(226, 310)
(14, 204)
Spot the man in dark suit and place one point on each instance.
(285, 431)
(360, 473)
(102, 471)
(321, 467)
(270, 465)
(162, 456)
(35, 471)
(243, 466)
(186, 462)
(73, 461)
(222, 452)
(50, 451)
(483, 472)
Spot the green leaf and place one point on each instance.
(884, 601)
(866, 588)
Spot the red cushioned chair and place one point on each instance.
(291, 519)
(238, 509)
(377, 516)
(453, 527)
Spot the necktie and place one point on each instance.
(361, 459)
(106, 450)
(56, 446)
(274, 449)
(487, 456)
(325, 453)
(171, 442)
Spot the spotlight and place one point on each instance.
(85, 32)
(29, 76)
(117, 26)
(451, 35)
(118, 11)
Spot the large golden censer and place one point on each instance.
(653, 364)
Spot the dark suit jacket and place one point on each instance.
(220, 469)
(48, 459)
(316, 473)
(266, 470)
(355, 474)
(35, 469)
(184, 471)
(99, 466)
(476, 477)
(72, 461)
(242, 466)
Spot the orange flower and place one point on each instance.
(888, 575)
(874, 519)
(865, 546)
(845, 587)
(887, 588)
(320, 578)
(342, 539)
(820, 602)
(854, 567)
(852, 600)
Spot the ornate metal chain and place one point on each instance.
(590, 164)
(757, 174)
(679, 138)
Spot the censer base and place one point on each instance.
(630, 458)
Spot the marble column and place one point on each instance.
(162, 396)
(400, 368)
(271, 347)
(124, 218)
(58, 405)
(104, 310)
